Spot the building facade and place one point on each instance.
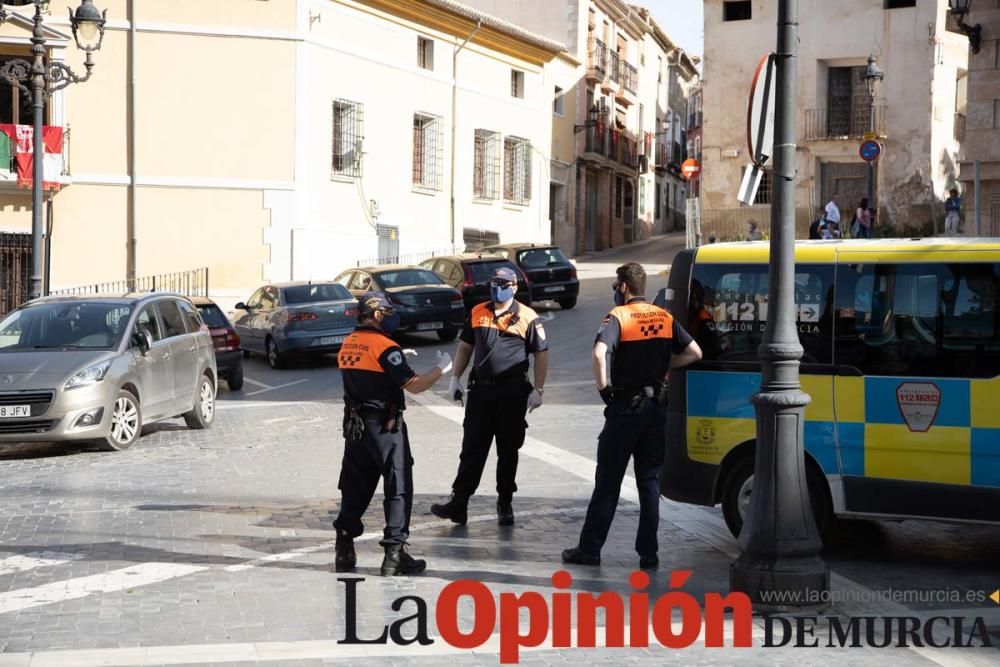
(289, 140)
(981, 121)
(913, 112)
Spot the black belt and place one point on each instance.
(636, 395)
(518, 378)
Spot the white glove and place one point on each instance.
(455, 391)
(409, 352)
(534, 400)
(444, 362)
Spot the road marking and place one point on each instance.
(230, 404)
(574, 383)
(280, 386)
(257, 383)
(108, 582)
(35, 560)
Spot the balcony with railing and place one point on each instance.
(630, 77)
(597, 59)
(844, 123)
(614, 145)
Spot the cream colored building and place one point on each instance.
(915, 109)
(290, 139)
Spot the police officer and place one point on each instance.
(377, 445)
(498, 336)
(638, 343)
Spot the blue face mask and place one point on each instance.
(501, 294)
(390, 323)
(619, 298)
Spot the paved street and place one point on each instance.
(216, 547)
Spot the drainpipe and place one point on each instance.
(130, 103)
(454, 112)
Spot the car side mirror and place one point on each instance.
(241, 306)
(142, 340)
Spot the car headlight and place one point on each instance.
(89, 375)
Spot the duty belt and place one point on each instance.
(515, 378)
(633, 396)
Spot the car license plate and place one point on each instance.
(557, 288)
(430, 326)
(332, 340)
(14, 411)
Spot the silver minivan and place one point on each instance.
(100, 367)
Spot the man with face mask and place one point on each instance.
(377, 445)
(498, 336)
(636, 346)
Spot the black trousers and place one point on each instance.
(384, 456)
(492, 412)
(639, 433)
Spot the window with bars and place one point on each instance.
(348, 137)
(486, 165)
(517, 83)
(427, 149)
(763, 195)
(425, 53)
(517, 170)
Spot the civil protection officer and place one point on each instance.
(498, 336)
(638, 343)
(377, 445)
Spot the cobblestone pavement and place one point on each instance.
(215, 547)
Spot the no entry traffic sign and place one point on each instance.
(690, 168)
(760, 111)
(870, 150)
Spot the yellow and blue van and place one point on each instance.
(901, 355)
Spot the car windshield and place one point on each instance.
(483, 271)
(300, 294)
(64, 325)
(213, 316)
(407, 278)
(540, 258)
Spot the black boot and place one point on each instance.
(345, 559)
(397, 562)
(579, 557)
(456, 509)
(505, 513)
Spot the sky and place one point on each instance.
(681, 20)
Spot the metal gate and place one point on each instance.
(15, 270)
(388, 244)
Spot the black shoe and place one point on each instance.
(397, 562)
(345, 559)
(579, 557)
(649, 562)
(505, 513)
(456, 509)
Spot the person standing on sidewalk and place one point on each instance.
(833, 211)
(377, 445)
(952, 213)
(498, 337)
(636, 346)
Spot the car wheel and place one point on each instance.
(235, 378)
(126, 423)
(275, 358)
(202, 414)
(447, 335)
(738, 487)
(246, 354)
(567, 303)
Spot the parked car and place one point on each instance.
(424, 302)
(101, 367)
(228, 353)
(550, 274)
(295, 318)
(471, 273)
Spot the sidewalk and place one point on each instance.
(655, 254)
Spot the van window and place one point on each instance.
(173, 321)
(191, 317)
(728, 311)
(936, 320)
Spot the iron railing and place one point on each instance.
(598, 57)
(618, 145)
(630, 77)
(615, 66)
(844, 123)
(188, 283)
(15, 270)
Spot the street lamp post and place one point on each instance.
(779, 542)
(873, 76)
(46, 77)
(959, 9)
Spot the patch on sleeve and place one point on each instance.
(604, 324)
(539, 329)
(395, 358)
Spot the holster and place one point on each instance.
(393, 419)
(354, 424)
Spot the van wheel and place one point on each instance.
(235, 379)
(202, 414)
(738, 486)
(567, 303)
(126, 423)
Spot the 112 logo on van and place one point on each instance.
(918, 403)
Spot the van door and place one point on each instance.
(154, 370)
(184, 350)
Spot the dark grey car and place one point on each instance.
(284, 319)
(100, 367)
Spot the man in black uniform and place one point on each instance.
(377, 445)
(638, 342)
(499, 334)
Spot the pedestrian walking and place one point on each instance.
(753, 234)
(862, 225)
(377, 445)
(832, 211)
(636, 346)
(952, 213)
(817, 225)
(498, 337)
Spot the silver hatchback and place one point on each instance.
(100, 367)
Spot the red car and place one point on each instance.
(228, 354)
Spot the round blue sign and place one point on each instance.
(870, 150)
